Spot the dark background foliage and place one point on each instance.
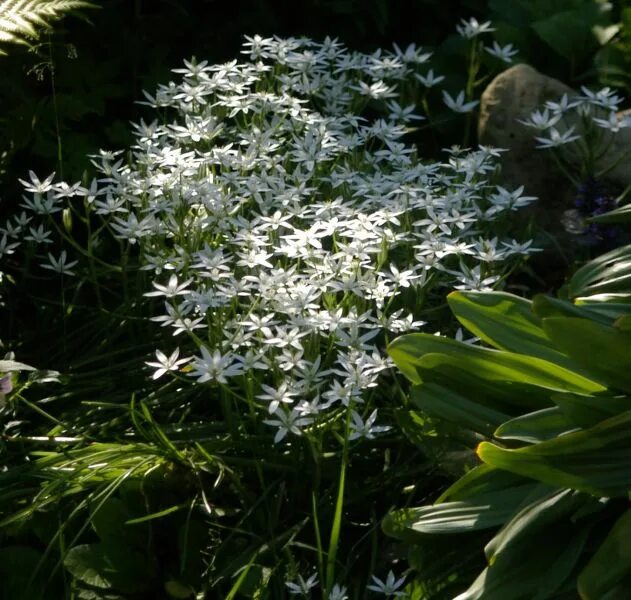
(82, 84)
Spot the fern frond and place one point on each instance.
(22, 20)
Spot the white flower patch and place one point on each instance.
(291, 229)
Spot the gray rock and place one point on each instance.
(515, 94)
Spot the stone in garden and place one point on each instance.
(515, 94)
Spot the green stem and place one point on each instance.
(339, 506)
(474, 67)
(55, 110)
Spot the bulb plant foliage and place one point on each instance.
(546, 512)
(274, 224)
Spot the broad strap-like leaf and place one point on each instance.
(586, 411)
(611, 563)
(594, 460)
(622, 214)
(537, 565)
(446, 404)
(603, 350)
(482, 479)
(537, 426)
(416, 352)
(610, 272)
(483, 511)
(506, 322)
(534, 518)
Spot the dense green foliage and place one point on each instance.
(551, 401)
(216, 295)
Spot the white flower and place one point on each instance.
(215, 366)
(287, 422)
(503, 199)
(541, 120)
(35, 185)
(472, 279)
(389, 587)
(172, 289)
(404, 114)
(520, 247)
(412, 54)
(166, 363)
(429, 80)
(7, 247)
(504, 53)
(366, 429)
(278, 237)
(472, 28)
(563, 105)
(277, 396)
(302, 587)
(60, 265)
(338, 592)
(376, 90)
(605, 97)
(556, 138)
(459, 105)
(612, 123)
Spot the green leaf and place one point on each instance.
(538, 515)
(595, 460)
(583, 340)
(609, 273)
(110, 524)
(441, 402)
(483, 479)
(617, 215)
(623, 323)
(483, 511)
(506, 322)
(611, 563)
(569, 33)
(20, 20)
(587, 411)
(536, 426)
(417, 352)
(546, 306)
(603, 309)
(517, 575)
(88, 564)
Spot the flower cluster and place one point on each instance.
(584, 124)
(581, 132)
(289, 227)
